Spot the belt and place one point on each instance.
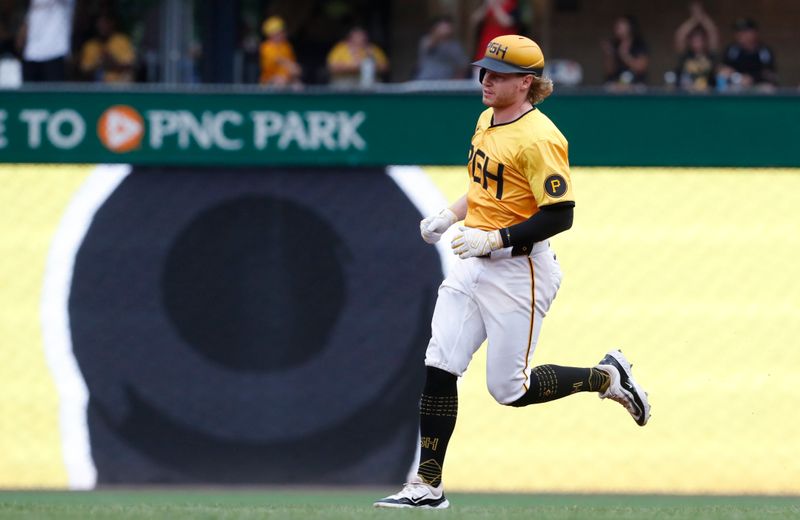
(524, 250)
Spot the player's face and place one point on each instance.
(501, 90)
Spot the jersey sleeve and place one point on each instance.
(546, 166)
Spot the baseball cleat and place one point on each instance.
(623, 387)
(416, 494)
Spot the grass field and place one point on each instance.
(313, 504)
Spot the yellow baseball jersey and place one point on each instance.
(515, 168)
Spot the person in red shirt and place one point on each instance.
(494, 18)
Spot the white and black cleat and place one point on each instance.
(416, 494)
(623, 387)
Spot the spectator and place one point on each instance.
(440, 54)
(10, 44)
(47, 33)
(278, 64)
(109, 57)
(748, 62)
(494, 18)
(697, 42)
(626, 55)
(355, 60)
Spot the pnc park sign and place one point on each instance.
(245, 129)
(122, 129)
(206, 128)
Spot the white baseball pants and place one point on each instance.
(503, 299)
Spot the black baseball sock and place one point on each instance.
(437, 420)
(550, 382)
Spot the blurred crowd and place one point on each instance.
(38, 44)
(55, 40)
(745, 63)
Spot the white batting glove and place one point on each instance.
(470, 242)
(431, 228)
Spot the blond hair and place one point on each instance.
(540, 88)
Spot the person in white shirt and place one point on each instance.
(48, 30)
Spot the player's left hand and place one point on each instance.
(470, 242)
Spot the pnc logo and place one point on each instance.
(120, 128)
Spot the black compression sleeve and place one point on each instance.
(548, 221)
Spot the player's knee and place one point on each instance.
(505, 392)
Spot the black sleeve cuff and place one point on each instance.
(506, 236)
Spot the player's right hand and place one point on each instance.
(431, 228)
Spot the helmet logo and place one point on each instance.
(496, 49)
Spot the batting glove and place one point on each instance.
(431, 228)
(470, 242)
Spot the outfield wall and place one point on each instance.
(239, 294)
(202, 127)
(227, 325)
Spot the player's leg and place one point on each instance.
(510, 377)
(611, 378)
(551, 382)
(457, 332)
(514, 297)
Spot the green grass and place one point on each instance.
(201, 504)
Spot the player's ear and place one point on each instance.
(527, 80)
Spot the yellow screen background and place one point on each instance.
(695, 274)
(32, 200)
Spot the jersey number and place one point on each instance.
(481, 168)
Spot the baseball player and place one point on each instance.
(520, 194)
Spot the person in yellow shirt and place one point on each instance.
(109, 57)
(355, 60)
(276, 55)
